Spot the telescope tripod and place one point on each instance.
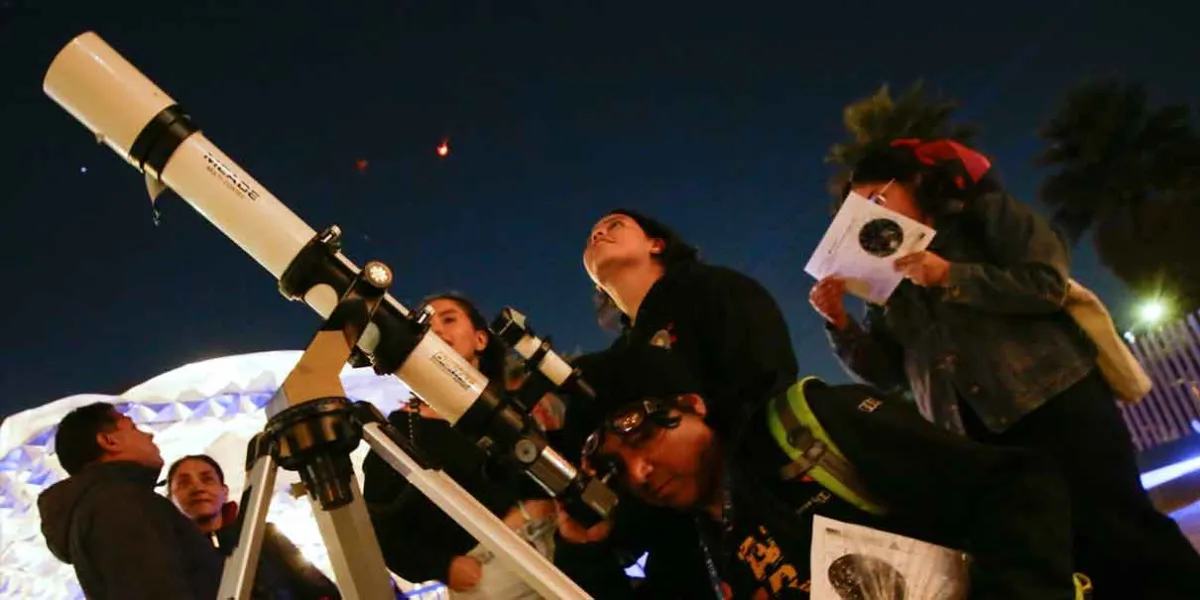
(312, 428)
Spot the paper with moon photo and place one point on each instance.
(853, 562)
(861, 245)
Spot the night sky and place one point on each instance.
(714, 117)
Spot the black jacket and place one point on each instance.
(124, 540)
(419, 540)
(1005, 507)
(729, 330)
(733, 336)
(283, 573)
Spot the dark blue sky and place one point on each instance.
(712, 116)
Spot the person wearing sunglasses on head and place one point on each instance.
(654, 287)
(979, 334)
(844, 452)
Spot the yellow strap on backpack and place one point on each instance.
(800, 436)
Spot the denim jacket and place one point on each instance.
(995, 335)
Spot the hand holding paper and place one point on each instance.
(924, 268)
(862, 244)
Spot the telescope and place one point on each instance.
(154, 134)
(547, 371)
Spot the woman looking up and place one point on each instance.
(728, 329)
(725, 324)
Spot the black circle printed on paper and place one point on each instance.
(881, 237)
(862, 577)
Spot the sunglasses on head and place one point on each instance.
(878, 197)
(632, 422)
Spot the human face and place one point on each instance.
(197, 490)
(894, 195)
(665, 466)
(127, 442)
(617, 240)
(451, 323)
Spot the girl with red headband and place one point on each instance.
(978, 334)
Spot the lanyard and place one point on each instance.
(710, 563)
(714, 578)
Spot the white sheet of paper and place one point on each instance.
(842, 252)
(844, 553)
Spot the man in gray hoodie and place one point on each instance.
(125, 540)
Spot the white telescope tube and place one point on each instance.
(124, 108)
(148, 129)
(513, 329)
(145, 126)
(552, 365)
(116, 102)
(106, 93)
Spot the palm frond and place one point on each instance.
(881, 117)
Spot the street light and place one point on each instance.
(1148, 315)
(1152, 312)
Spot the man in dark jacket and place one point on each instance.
(843, 452)
(124, 540)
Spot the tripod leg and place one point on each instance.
(238, 576)
(472, 516)
(353, 549)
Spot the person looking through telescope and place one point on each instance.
(419, 541)
(878, 464)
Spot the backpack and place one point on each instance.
(802, 438)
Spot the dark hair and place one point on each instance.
(491, 359)
(676, 254)
(941, 187)
(75, 441)
(201, 457)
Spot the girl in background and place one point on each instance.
(420, 542)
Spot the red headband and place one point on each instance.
(940, 151)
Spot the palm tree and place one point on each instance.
(1129, 174)
(1153, 253)
(880, 118)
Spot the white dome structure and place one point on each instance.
(212, 407)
